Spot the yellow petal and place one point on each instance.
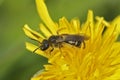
(66, 24)
(90, 21)
(45, 31)
(44, 15)
(63, 29)
(88, 27)
(75, 23)
(116, 23)
(32, 34)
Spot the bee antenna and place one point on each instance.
(35, 50)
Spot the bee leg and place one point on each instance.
(78, 44)
(83, 45)
(59, 46)
(51, 49)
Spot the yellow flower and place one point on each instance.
(99, 60)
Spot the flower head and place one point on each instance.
(98, 60)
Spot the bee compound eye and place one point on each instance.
(44, 47)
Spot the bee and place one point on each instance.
(57, 40)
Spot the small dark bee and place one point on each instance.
(57, 40)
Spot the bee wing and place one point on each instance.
(86, 37)
(59, 40)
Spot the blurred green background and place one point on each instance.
(17, 63)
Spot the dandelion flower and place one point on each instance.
(99, 60)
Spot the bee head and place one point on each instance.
(44, 45)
